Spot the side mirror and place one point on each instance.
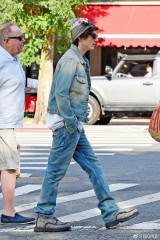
(108, 71)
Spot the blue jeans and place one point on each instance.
(64, 147)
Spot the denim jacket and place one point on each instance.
(70, 89)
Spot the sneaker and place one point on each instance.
(122, 216)
(44, 224)
(17, 219)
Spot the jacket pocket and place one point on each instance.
(80, 79)
(79, 85)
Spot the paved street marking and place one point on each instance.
(114, 149)
(30, 155)
(90, 193)
(48, 145)
(94, 140)
(33, 168)
(120, 144)
(140, 200)
(40, 168)
(151, 225)
(25, 175)
(25, 189)
(29, 228)
(34, 163)
(125, 204)
(98, 139)
(23, 158)
(77, 196)
(104, 154)
(110, 142)
(38, 163)
(93, 145)
(34, 158)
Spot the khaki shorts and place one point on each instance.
(8, 150)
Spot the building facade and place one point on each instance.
(127, 27)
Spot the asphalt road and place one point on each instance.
(130, 160)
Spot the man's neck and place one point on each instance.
(81, 50)
(13, 55)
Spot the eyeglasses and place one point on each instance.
(20, 38)
(94, 35)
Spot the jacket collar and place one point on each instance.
(76, 50)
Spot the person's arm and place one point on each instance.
(63, 84)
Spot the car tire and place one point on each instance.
(93, 111)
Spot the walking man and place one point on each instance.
(12, 97)
(67, 110)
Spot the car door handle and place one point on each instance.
(147, 83)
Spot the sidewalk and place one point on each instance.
(115, 124)
(33, 128)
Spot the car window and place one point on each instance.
(135, 69)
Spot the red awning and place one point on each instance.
(125, 25)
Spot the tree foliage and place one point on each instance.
(37, 18)
(46, 24)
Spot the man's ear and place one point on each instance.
(80, 39)
(6, 40)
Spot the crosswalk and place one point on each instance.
(34, 155)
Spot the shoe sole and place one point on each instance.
(116, 222)
(38, 229)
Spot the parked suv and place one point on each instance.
(132, 88)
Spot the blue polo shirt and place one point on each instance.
(12, 91)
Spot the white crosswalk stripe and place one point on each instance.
(81, 195)
(25, 175)
(95, 148)
(23, 158)
(77, 196)
(125, 204)
(23, 155)
(25, 189)
(73, 197)
(150, 225)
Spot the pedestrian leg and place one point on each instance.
(8, 182)
(87, 159)
(61, 153)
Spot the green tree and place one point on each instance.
(46, 24)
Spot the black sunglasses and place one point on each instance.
(94, 35)
(20, 38)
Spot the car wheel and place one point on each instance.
(93, 110)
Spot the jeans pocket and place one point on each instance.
(58, 138)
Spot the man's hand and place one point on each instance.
(27, 89)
